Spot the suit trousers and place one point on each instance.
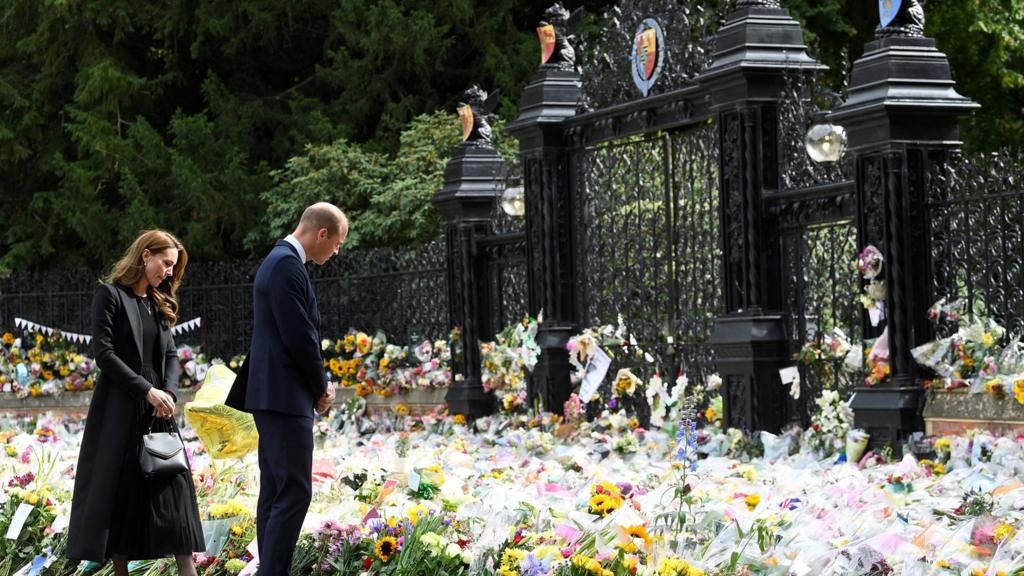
(286, 487)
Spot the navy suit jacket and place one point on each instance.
(285, 369)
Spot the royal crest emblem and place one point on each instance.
(547, 42)
(648, 54)
(887, 10)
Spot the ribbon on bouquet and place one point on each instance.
(182, 328)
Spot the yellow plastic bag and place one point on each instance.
(226, 432)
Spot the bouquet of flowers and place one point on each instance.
(979, 355)
(582, 346)
(829, 426)
(44, 365)
(506, 363)
(869, 264)
(372, 365)
(194, 366)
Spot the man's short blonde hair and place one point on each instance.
(324, 215)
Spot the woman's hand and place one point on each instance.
(163, 403)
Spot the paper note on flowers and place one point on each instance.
(226, 432)
(596, 370)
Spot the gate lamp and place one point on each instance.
(512, 200)
(825, 142)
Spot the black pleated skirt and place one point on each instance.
(154, 517)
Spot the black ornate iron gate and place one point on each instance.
(647, 244)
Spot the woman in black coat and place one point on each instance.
(116, 512)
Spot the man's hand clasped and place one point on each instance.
(326, 401)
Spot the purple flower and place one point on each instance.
(533, 567)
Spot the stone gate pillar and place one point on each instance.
(473, 178)
(756, 47)
(551, 97)
(900, 116)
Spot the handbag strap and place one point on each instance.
(173, 425)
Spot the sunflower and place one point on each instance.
(386, 548)
(638, 539)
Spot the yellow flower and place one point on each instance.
(362, 390)
(943, 444)
(416, 512)
(710, 414)
(994, 387)
(64, 371)
(363, 343)
(590, 565)
(635, 533)
(237, 528)
(334, 365)
(8, 338)
(1002, 532)
(939, 469)
(32, 498)
(677, 567)
(47, 374)
(230, 509)
(383, 364)
(625, 382)
(943, 564)
(988, 340)
(1018, 390)
(12, 451)
(459, 419)
(402, 409)
(752, 501)
(604, 504)
(386, 548)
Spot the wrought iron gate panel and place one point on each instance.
(820, 289)
(648, 242)
(697, 249)
(507, 273)
(975, 215)
(625, 249)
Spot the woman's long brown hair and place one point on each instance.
(129, 269)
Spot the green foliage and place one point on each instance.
(984, 40)
(386, 197)
(118, 115)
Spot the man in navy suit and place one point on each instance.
(287, 381)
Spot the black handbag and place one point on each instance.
(162, 453)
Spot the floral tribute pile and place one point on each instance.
(37, 364)
(980, 355)
(543, 495)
